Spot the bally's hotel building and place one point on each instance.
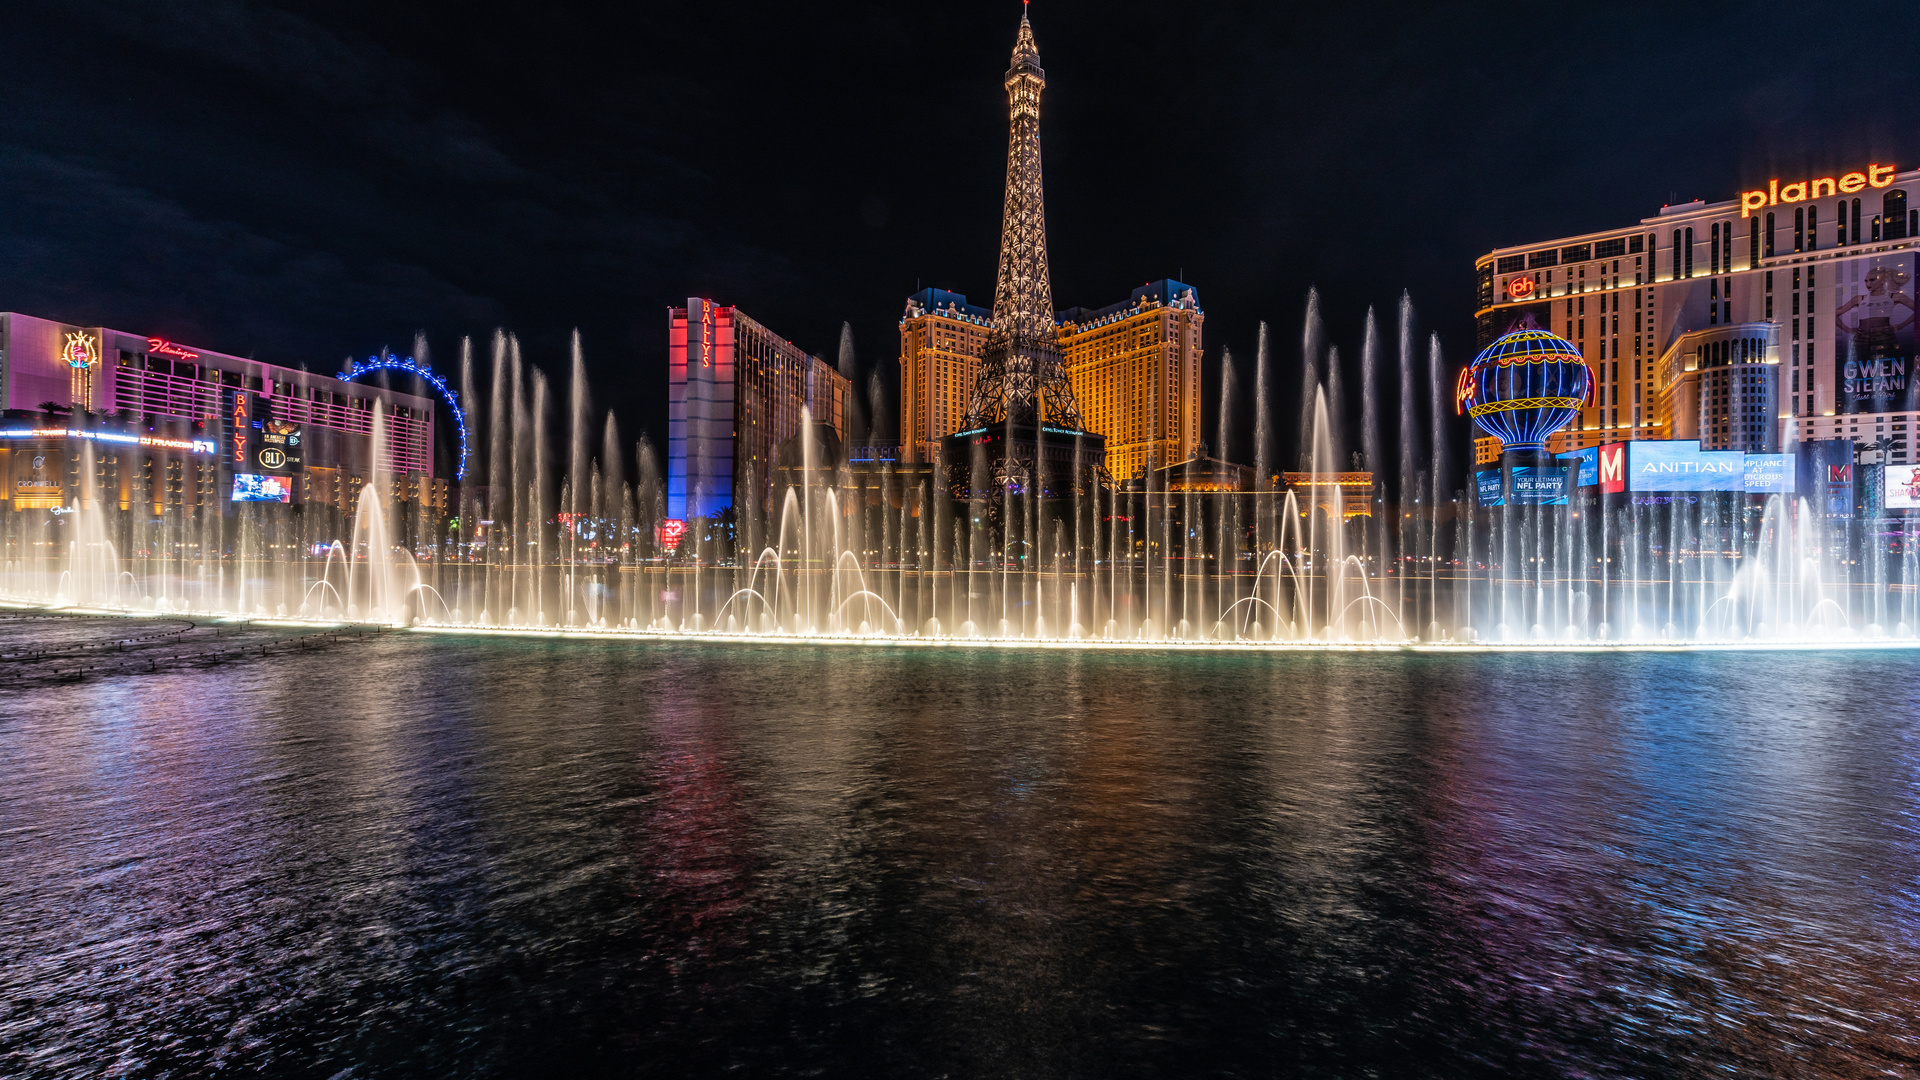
(1781, 315)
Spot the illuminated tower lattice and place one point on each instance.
(1021, 377)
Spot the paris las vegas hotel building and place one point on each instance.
(1782, 315)
(1134, 367)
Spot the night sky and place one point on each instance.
(301, 182)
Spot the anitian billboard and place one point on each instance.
(1903, 487)
(1873, 343)
(1680, 465)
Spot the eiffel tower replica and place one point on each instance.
(1023, 435)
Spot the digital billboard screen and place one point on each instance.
(1539, 485)
(1770, 474)
(281, 448)
(1680, 465)
(1824, 472)
(1903, 487)
(1488, 483)
(1873, 343)
(253, 487)
(1589, 460)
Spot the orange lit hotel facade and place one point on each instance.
(1134, 366)
(1780, 315)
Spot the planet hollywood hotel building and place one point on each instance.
(1781, 315)
(174, 427)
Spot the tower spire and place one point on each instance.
(1021, 375)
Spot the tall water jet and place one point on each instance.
(1409, 447)
(1311, 336)
(856, 418)
(1437, 468)
(1336, 412)
(1262, 391)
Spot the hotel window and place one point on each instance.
(1770, 235)
(1800, 230)
(1893, 214)
(1713, 249)
(1813, 228)
(1840, 224)
(1855, 231)
(1726, 245)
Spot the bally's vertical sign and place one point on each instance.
(240, 430)
(259, 444)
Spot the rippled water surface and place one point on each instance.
(413, 855)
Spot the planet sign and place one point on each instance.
(1520, 288)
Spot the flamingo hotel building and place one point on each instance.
(1781, 315)
(174, 427)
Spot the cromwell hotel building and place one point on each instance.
(1134, 366)
(1783, 314)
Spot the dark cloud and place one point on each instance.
(302, 181)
